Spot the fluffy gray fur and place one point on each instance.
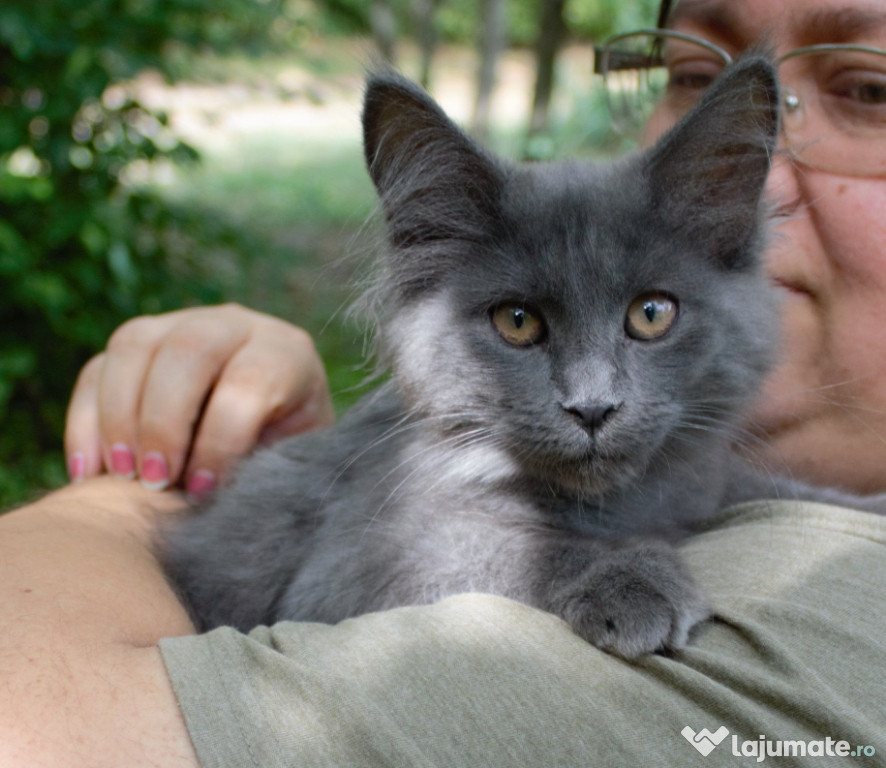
(473, 469)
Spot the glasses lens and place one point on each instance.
(652, 80)
(834, 108)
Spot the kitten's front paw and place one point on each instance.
(635, 600)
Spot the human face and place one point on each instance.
(823, 409)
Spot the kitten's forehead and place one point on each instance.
(574, 203)
(589, 228)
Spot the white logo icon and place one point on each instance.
(705, 741)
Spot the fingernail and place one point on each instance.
(77, 467)
(122, 462)
(201, 484)
(155, 473)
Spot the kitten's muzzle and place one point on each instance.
(592, 416)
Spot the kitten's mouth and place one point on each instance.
(593, 474)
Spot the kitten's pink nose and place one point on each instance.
(592, 416)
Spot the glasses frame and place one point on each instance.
(603, 56)
(603, 52)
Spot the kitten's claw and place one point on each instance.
(635, 600)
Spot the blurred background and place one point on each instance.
(156, 154)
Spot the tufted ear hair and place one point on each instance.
(439, 189)
(708, 173)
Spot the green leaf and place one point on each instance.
(94, 237)
(120, 262)
(17, 362)
(79, 63)
(15, 257)
(46, 290)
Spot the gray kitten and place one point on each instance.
(572, 347)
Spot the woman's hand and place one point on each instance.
(178, 398)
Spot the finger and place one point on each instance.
(309, 405)
(315, 413)
(183, 371)
(82, 441)
(130, 355)
(247, 406)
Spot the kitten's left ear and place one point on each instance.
(708, 173)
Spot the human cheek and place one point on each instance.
(829, 257)
(853, 224)
(855, 232)
(829, 261)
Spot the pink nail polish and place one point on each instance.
(155, 473)
(201, 484)
(122, 462)
(77, 467)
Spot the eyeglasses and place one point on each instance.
(833, 97)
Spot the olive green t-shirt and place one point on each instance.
(792, 665)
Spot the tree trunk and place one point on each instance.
(383, 23)
(491, 42)
(423, 14)
(550, 38)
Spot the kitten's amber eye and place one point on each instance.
(518, 325)
(650, 316)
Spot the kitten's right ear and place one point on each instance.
(394, 111)
(434, 181)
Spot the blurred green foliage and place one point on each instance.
(80, 251)
(585, 19)
(456, 20)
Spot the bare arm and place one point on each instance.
(82, 605)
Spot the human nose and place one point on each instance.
(783, 188)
